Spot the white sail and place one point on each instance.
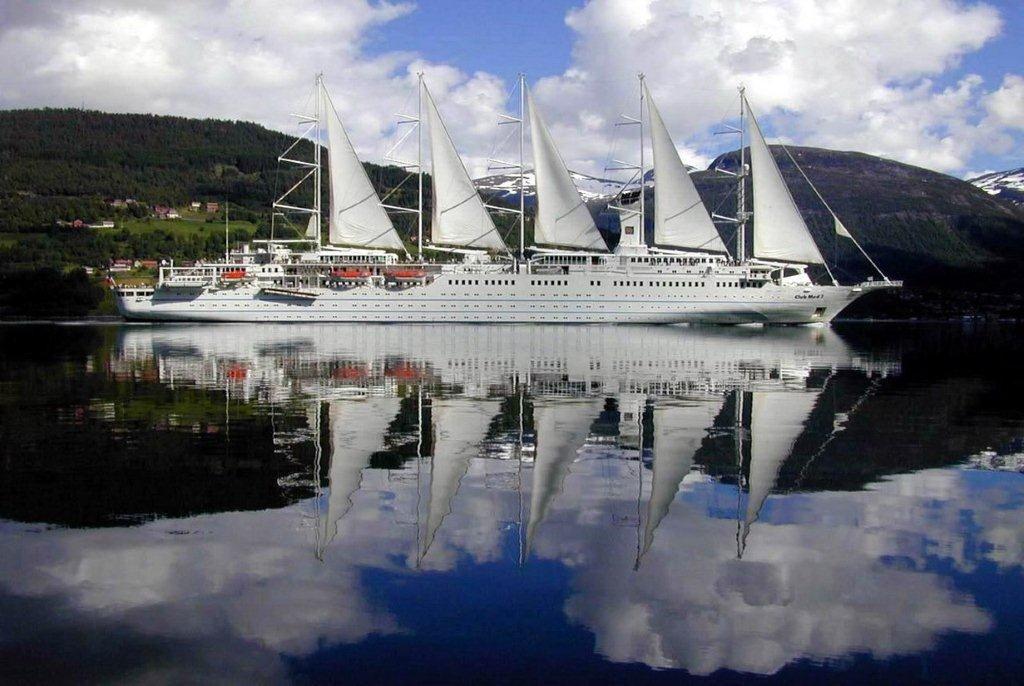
(460, 426)
(358, 430)
(777, 419)
(562, 217)
(561, 429)
(678, 433)
(311, 227)
(356, 216)
(680, 218)
(779, 231)
(459, 217)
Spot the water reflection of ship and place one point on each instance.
(667, 388)
(275, 363)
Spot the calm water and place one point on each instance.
(508, 503)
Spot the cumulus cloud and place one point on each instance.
(822, 73)
(252, 60)
(809, 585)
(883, 81)
(1006, 105)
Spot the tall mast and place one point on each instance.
(741, 187)
(226, 249)
(522, 167)
(642, 238)
(419, 165)
(318, 109)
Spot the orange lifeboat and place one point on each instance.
(408, 273)
(350, 273)
(237, 371)
(233, 274)
(403, 370)
(349, 372)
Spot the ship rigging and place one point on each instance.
(569, 274)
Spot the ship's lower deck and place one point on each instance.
(504, 297)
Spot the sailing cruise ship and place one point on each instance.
(568, 276)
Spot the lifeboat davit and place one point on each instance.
(350, 273)
(233, 274)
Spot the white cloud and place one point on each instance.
(822, 73)
(1006, 105)
(227, 59)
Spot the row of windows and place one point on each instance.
(509, 282)
(485, 282)
(670, 284)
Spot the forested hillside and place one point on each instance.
(63, 163)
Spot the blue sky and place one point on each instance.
(525, 35)
(1004, 53)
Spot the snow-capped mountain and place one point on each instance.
(1006, 185)
(506, 187)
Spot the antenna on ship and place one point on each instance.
(632, 234)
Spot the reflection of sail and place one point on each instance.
(562, 428)
(678, 432)
(357, 431)
(776, 421)
(460, 427)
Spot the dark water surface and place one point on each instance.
(511, 503)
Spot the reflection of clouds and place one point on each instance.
(823, 588)
(823, 575)
(479, 512)
(247, 578)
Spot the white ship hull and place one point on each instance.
(506, 297)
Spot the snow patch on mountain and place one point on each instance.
(1006, 185)
(506, 186)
